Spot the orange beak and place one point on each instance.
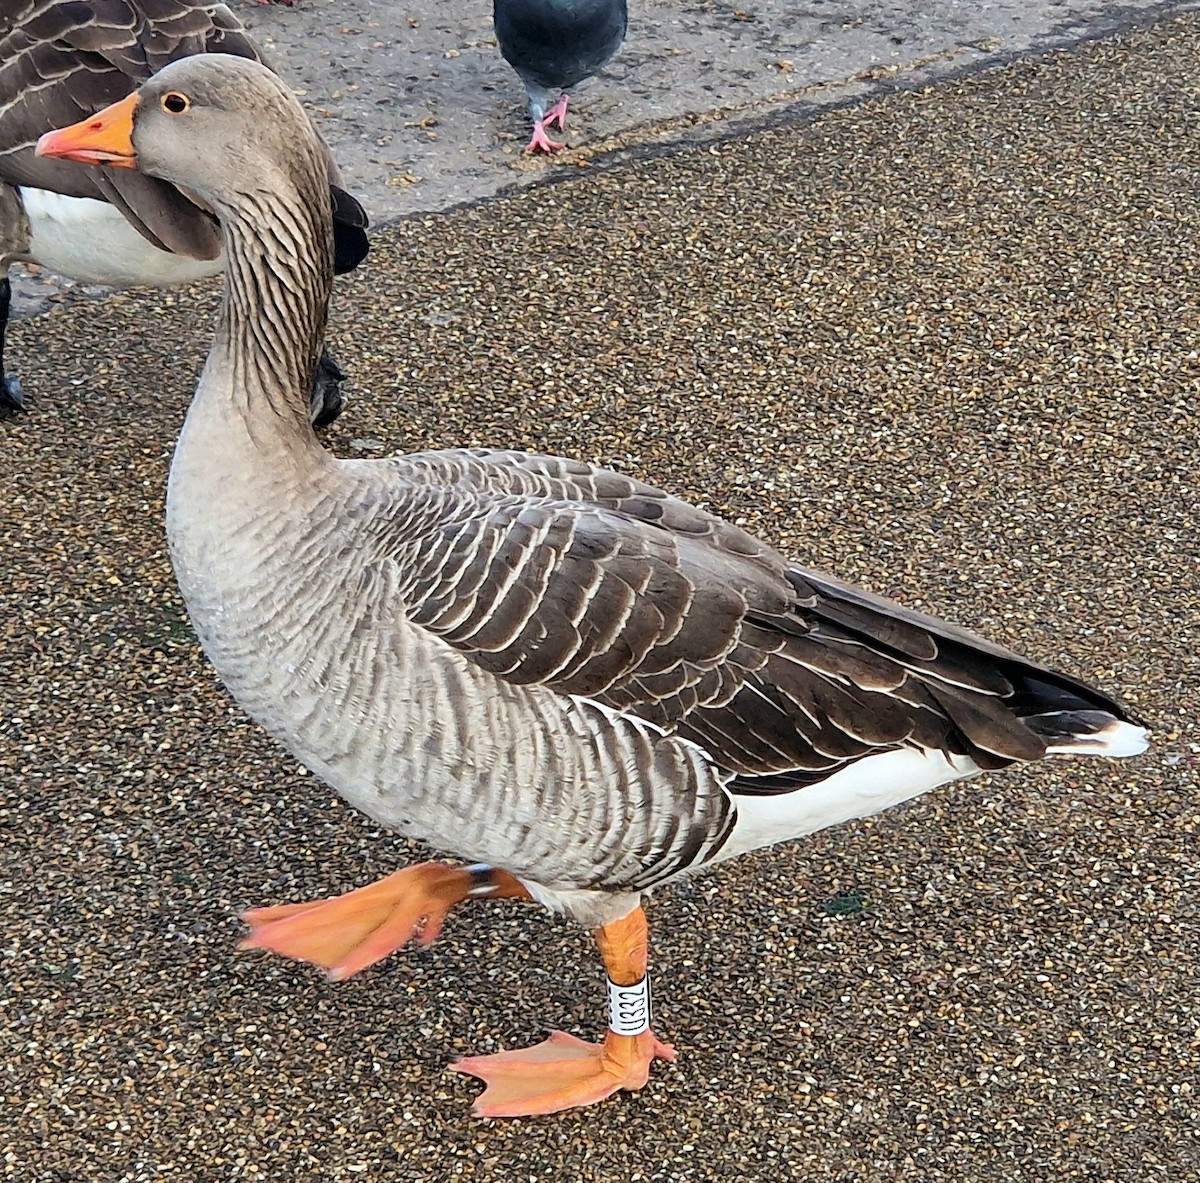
(103, 138)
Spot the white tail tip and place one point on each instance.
(1118, 740)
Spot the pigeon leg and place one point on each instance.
(557, 115)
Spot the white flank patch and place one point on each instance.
(867, 786)
(90, 241)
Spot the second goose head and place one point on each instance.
(225, 128)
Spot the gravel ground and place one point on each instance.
(942, 343)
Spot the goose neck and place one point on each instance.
(278, 278)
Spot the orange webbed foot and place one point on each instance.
(562, 1072)
(347, 933)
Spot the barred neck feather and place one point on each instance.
(277, 285)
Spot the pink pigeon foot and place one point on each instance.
(540, 142)
(557, 115)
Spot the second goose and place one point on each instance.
(61, 59)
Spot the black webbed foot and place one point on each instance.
(327, 400)
(12, 397)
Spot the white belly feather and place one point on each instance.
(90, 241)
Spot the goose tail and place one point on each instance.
(1088, 733)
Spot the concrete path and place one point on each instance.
(424, 113)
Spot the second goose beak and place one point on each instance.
(103, 138)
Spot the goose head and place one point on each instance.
(223, 127)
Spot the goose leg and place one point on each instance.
(564, 1072)
(557, 115)
(347, 933)
(12, 397)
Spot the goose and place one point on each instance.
(60, 60)
(555, 45)
(578, 684)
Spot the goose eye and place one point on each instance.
(175, 102)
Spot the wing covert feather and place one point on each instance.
(553, 573)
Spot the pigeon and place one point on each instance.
(554, 45)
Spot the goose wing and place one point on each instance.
(553, 573)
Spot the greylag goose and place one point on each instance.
(584, 686)
(555, 45)
(60, 60)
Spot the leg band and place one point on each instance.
(629, 1007)
(481, 881)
